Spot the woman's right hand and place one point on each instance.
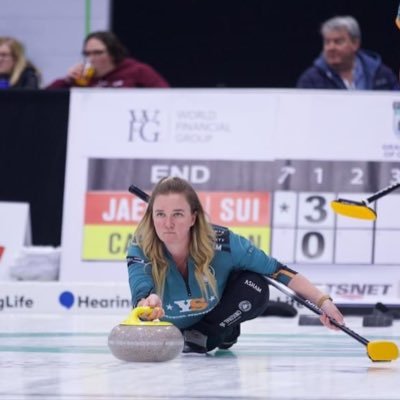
(75, 72)
(331, 311)
(155, 302)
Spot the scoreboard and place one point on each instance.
(304, 228)
(282, 206)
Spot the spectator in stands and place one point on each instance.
(343, 65)
(16, 72)
(107, 65)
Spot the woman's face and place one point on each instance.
(173, 218)
(96, 52)
(7, 61)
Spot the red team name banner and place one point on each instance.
(223, 208)
(111, 218)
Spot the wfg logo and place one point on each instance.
(144, 126)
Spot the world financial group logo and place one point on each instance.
(144, 126)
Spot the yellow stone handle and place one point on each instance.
(134, 318)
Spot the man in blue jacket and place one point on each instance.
(343, 65)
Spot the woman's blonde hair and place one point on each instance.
(18, 54)
(202, 237)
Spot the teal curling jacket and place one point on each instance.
(183, 302)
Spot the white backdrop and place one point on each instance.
(296, 150)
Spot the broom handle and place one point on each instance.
(313, 307)
(139, 193)
(382, 192)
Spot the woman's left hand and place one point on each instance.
(330, 310)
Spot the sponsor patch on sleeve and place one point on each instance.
(284, 274)
(222, 238)
(134, 260)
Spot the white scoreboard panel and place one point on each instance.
(304, 229)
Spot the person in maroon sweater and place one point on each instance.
(107, 65)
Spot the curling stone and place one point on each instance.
(145, 341)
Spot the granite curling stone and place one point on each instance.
(135, 340)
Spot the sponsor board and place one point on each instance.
(58, 298)
(101, 298)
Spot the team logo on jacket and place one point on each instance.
(191, 305)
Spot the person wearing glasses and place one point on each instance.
(16, 72)
(106, 64)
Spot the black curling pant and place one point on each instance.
(245, 297)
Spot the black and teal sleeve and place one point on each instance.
(283, 274)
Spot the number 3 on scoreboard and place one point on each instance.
(314, 210)
(315, 224)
